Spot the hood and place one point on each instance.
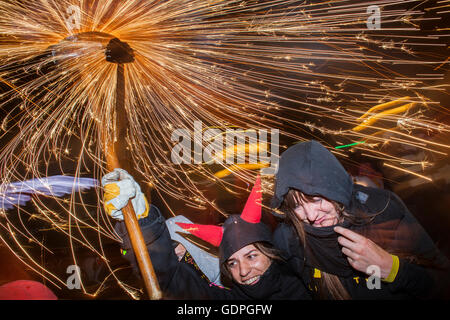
(239, 233)
(310, 168)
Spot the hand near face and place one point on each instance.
(362, 252)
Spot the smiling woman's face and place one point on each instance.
(247, 265)
(319, 212)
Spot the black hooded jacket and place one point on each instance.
(377, 214)
(179, 280)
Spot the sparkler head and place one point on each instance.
(119, 52)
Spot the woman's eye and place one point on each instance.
(231, 264)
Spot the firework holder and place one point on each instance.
(120, 53)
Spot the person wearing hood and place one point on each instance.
(348, 241)
(246, 255)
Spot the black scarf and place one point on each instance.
(277, 283)
(324, 252)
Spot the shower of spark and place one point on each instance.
(307, 68)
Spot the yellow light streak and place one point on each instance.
(408, 171)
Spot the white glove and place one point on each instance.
(119, 188)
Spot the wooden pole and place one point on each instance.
(114, 155)
(137, 241)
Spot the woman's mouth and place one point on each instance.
(319, 221)
(251, 281)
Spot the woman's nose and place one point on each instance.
(311, 212)
(244, 269)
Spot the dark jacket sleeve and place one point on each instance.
(424, 272)
(177, 280)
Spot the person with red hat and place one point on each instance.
(246, 254)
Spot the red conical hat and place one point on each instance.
(252, 209)
(209, 233)
(213, 234)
